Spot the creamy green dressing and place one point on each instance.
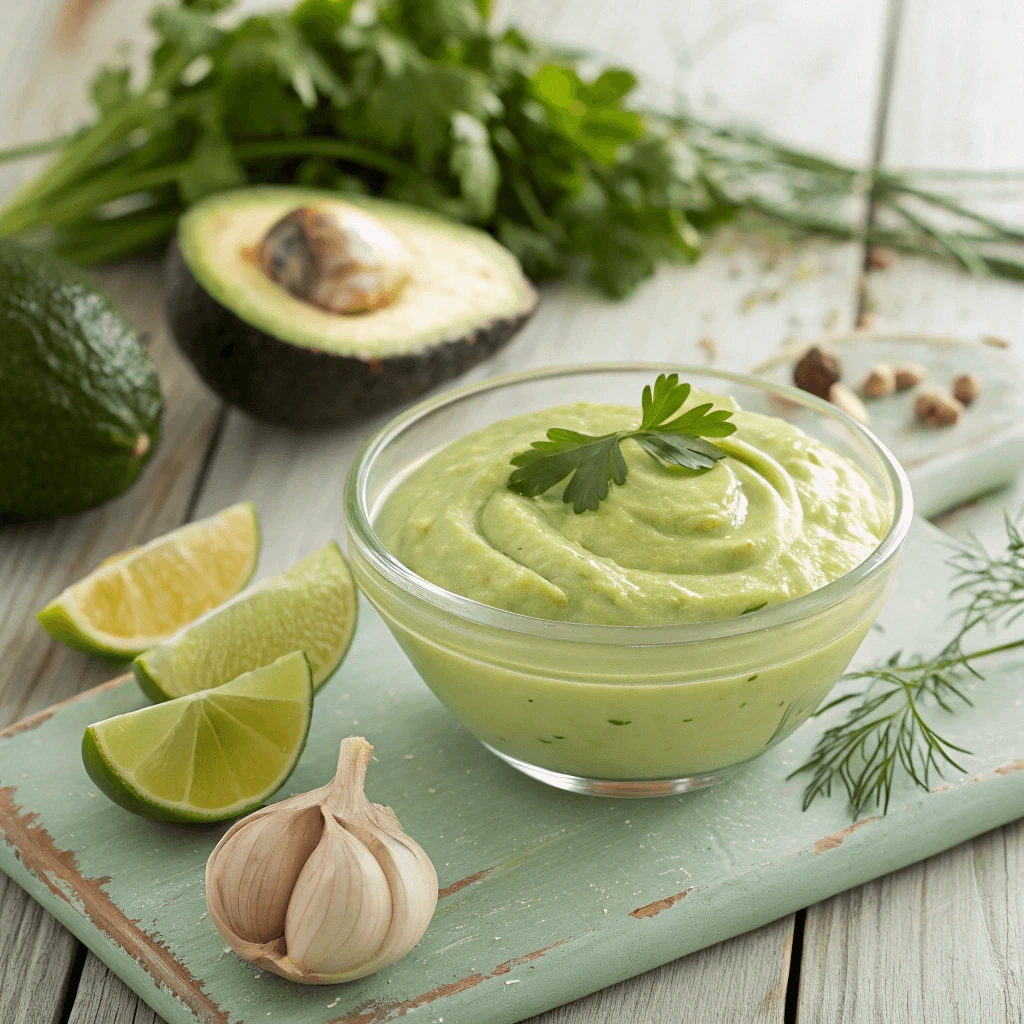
(782, 515)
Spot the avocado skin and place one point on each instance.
(77, 389)
(296, 386)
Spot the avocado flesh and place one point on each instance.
(286, 361)
(79, 398)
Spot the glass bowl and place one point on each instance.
(619, 710)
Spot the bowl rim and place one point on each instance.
(475, 613)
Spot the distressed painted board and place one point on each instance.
(943, 940)
(545, 896)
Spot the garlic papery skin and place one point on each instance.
(323, 887)
(262, 862)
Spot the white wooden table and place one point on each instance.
(917, 83)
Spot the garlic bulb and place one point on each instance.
(323, 887)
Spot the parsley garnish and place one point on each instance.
(597, 461)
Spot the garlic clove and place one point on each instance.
(262, 861)
(340, 908)
(411, 878)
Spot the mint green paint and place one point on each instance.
(742, 849)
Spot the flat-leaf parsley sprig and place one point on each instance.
(595, 462)
(886, 728)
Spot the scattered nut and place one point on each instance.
(709, 347)
(995, 341)
(817, 371)
(908, 375)
(966, 388)
(880, 381)
(936, 408)
(880, 258)
(846, 399)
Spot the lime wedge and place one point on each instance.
(311, 607)
(210, 755)
(143, 596)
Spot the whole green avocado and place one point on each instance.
(79, 397)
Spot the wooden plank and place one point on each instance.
(36, 958)
(743, 979)
(103, 998)
(940, 940)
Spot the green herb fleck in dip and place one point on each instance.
(780, 515)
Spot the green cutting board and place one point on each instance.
(545, 896)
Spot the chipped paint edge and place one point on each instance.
(378, 1011)
(57, 870)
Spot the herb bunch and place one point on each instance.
(887, 729)
(596, 462)
(422, 101)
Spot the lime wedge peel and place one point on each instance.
(311, 607)
(145, 595)
(208, 756)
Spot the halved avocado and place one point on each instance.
(282, 359)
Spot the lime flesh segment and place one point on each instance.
(311, 607)
(208, 756)
(145, 595)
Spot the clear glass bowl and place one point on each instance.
(619, 710)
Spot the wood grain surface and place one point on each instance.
(817, 74)
(942, 940)
(743, 979)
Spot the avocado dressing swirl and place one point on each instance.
(782, 515)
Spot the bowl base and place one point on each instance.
(622, 788)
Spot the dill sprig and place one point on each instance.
(994, 587)
(886, 729)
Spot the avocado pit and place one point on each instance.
(304, 308)
(342, 261)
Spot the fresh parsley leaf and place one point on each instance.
(667, 398)
(589, 484)
(110, 88)
(684, 451)
(480, 124)
(473, 162)
(210, 168)
(597, 462)
(188, 29)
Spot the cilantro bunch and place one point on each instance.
(422, 101)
